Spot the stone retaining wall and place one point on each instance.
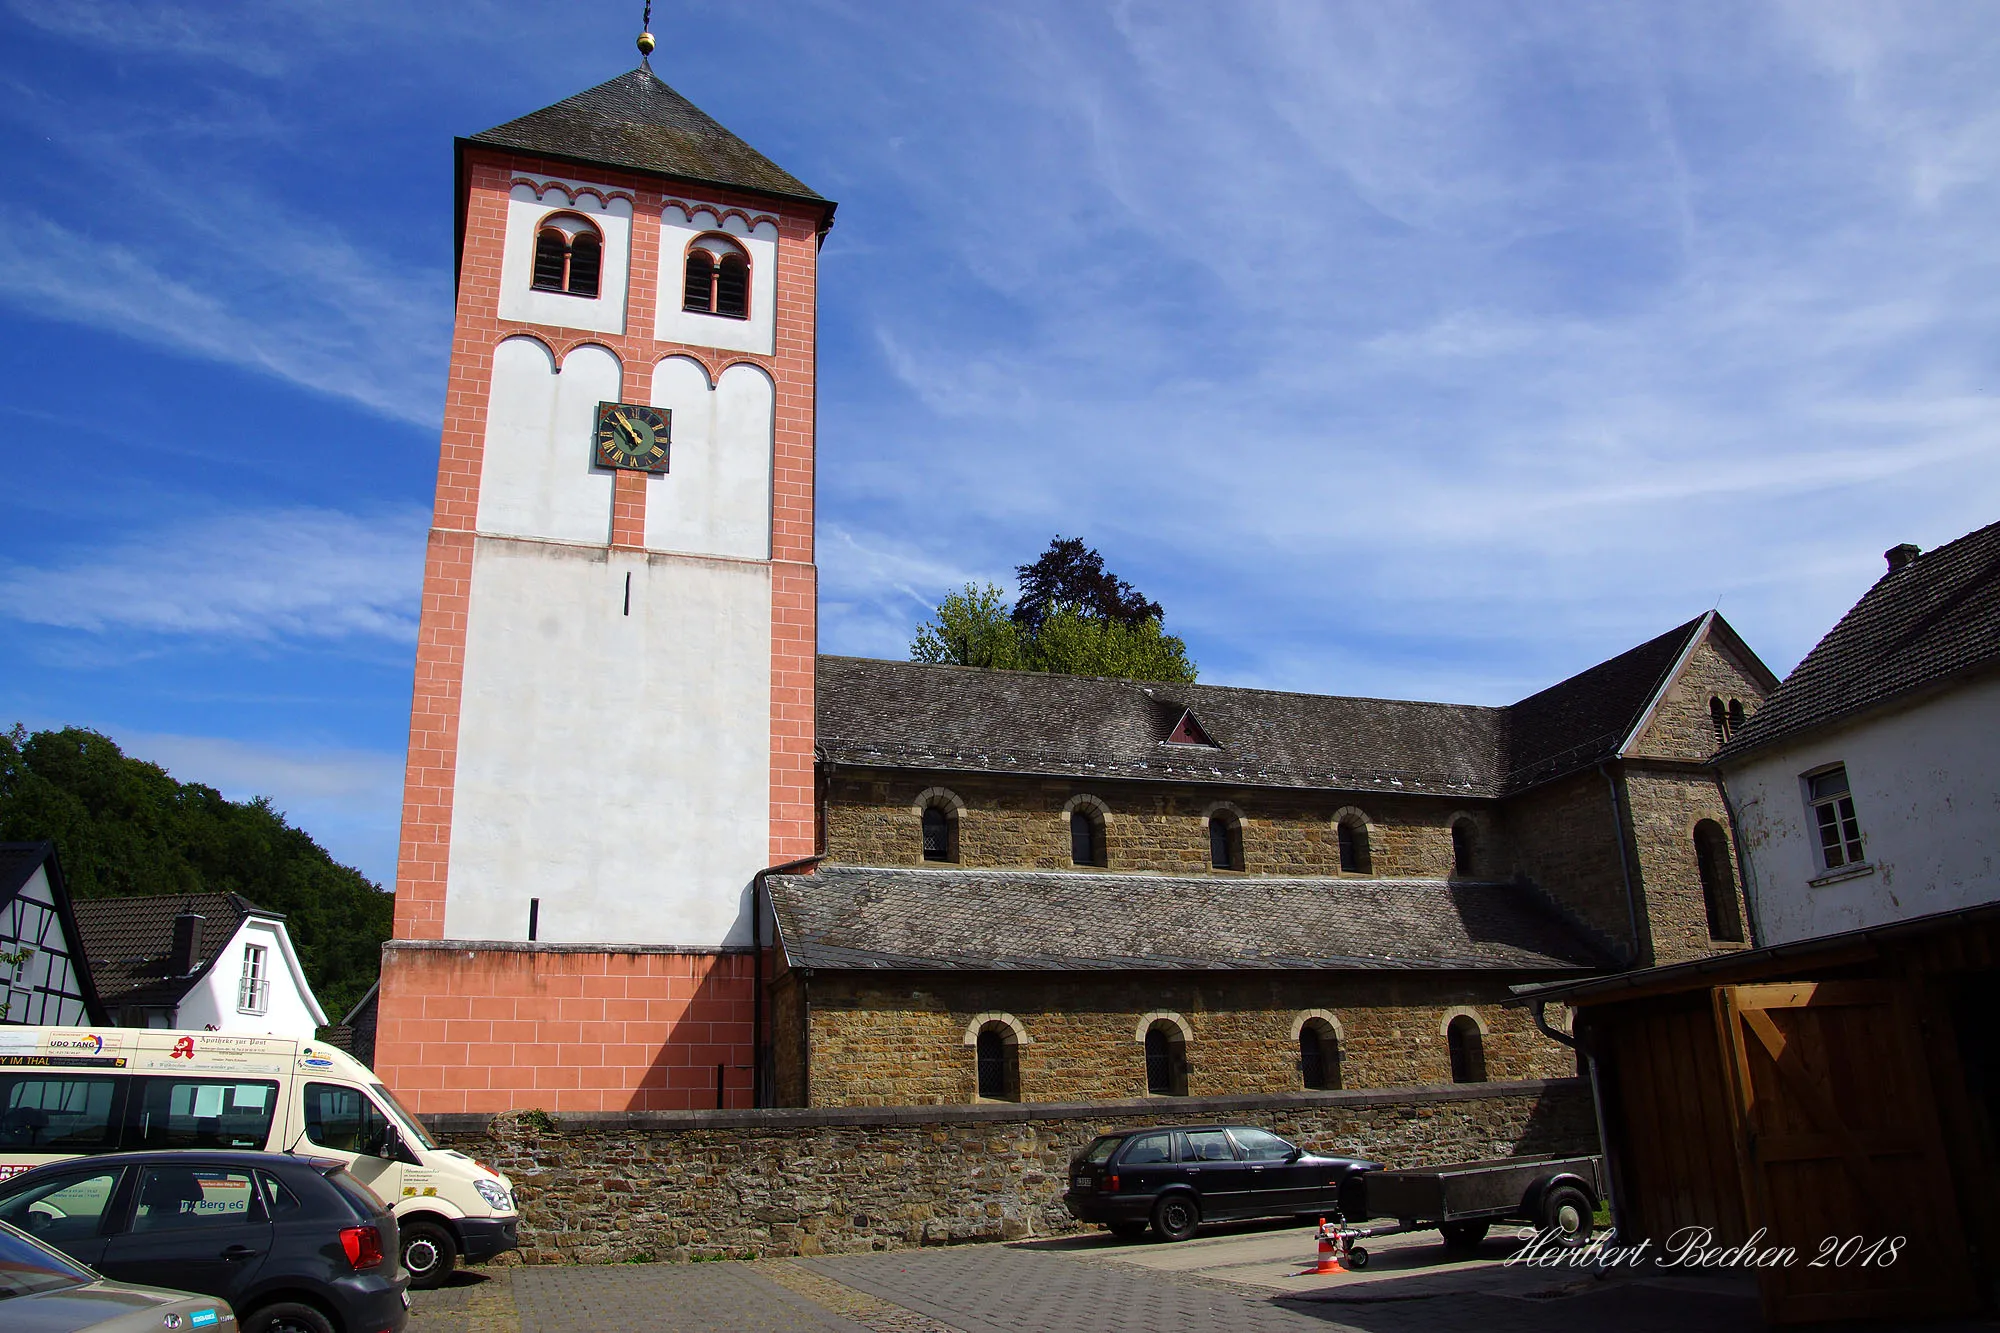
(609, 1188)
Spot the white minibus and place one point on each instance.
(67, 1092)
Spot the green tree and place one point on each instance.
(1076, 644)
(123, 827)
(973, 628)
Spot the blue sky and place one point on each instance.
(1433, 351)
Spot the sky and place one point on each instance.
(1422, 351)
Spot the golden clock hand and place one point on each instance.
(631, 433)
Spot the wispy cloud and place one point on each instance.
(256, 576)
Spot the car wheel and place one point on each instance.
(1128, 1230)
(428, 1253)
(1566, 1211)
(287, 1317)
(1176, 1216)
(1463, 1235)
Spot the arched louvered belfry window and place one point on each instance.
(1718, 718)
(718, 278)
(569, 255)
(1468, 1050)
(1718, 881)
(1736, 716)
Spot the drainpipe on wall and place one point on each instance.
(1538, 1012)
(1624, 866)
(758, 892)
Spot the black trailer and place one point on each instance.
(1465, 1198)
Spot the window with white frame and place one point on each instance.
(1833, 814)
(254, 997)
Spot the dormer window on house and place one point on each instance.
(1187, 730)
(569, 255)
(718, 278)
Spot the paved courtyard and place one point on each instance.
(1243, 1279)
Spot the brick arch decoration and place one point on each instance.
(1460, 1011)
(1146, 1021)
(1008, 1021)
(1326, 1016)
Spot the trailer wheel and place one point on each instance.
(1463, 1235)
(1566, 1211)
(1357, 1257)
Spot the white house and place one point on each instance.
(1867, 789)
(42, 976)
(213, 961)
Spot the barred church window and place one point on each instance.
(1086, 837)
(1468, 1050)
(1463, 847)
(937, 835)
(1319, 1056)
(999, 1063)
(1352, 836)
(1833, 813)
(717, 280)
(1166, 1060)
(1718, 888)
(569, 256)
(1225, 842)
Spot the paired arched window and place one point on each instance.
(940, 834)
(1464, 847)
(1352, 835)
(1319, 1055)
(1727, 719)
(1225, 841)
(1718, 881)
(1736, 716)
(1468, 1050)
(1086, 836)
(718, 277)
(1166, 1060)
(999, 1060)
(569, 255)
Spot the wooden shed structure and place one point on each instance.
(1839, 1089)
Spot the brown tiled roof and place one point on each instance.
(129, 940)
(1937, 617)
(637, 122)
(846, 918)
(961, 719)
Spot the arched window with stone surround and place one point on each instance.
(937, 834)
(569, 255)
(1225, 841)
(1086, 836)
(717, 280)
(1351, 835)
(1737, 717)
(1718, 720)
(1718, 881)
(1464, 847)
(1166, 1060)
(998, 1057)
(1468, 1049)
(1319, 1055)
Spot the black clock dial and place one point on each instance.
(632, 436)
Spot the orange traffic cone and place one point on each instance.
(1329, 1253)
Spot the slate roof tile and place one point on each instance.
(128, 941)
(846, 918)
(1936, 617)
(637, 122)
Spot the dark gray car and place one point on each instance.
(294, 1244)
(43, 1290)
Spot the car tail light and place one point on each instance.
(1111, 1184)
(363, 1246)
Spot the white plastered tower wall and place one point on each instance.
(613, 762)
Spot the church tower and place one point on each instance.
(612, 727)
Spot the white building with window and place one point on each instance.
(42, 976)
(210, 961)
(1867, 789)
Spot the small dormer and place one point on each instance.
(1180, 726)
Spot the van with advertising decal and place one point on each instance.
(69, 1092)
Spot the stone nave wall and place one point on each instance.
(609, 1188)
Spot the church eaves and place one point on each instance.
(638, 123)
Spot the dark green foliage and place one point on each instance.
(124, 828)
(1071, 574)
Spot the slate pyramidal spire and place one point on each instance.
(638, 123)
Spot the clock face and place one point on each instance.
(633, 436)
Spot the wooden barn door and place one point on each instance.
(1837, 1135)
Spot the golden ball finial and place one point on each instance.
(646, 43)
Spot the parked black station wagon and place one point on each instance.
(294, 1244)
(1177, 1177)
